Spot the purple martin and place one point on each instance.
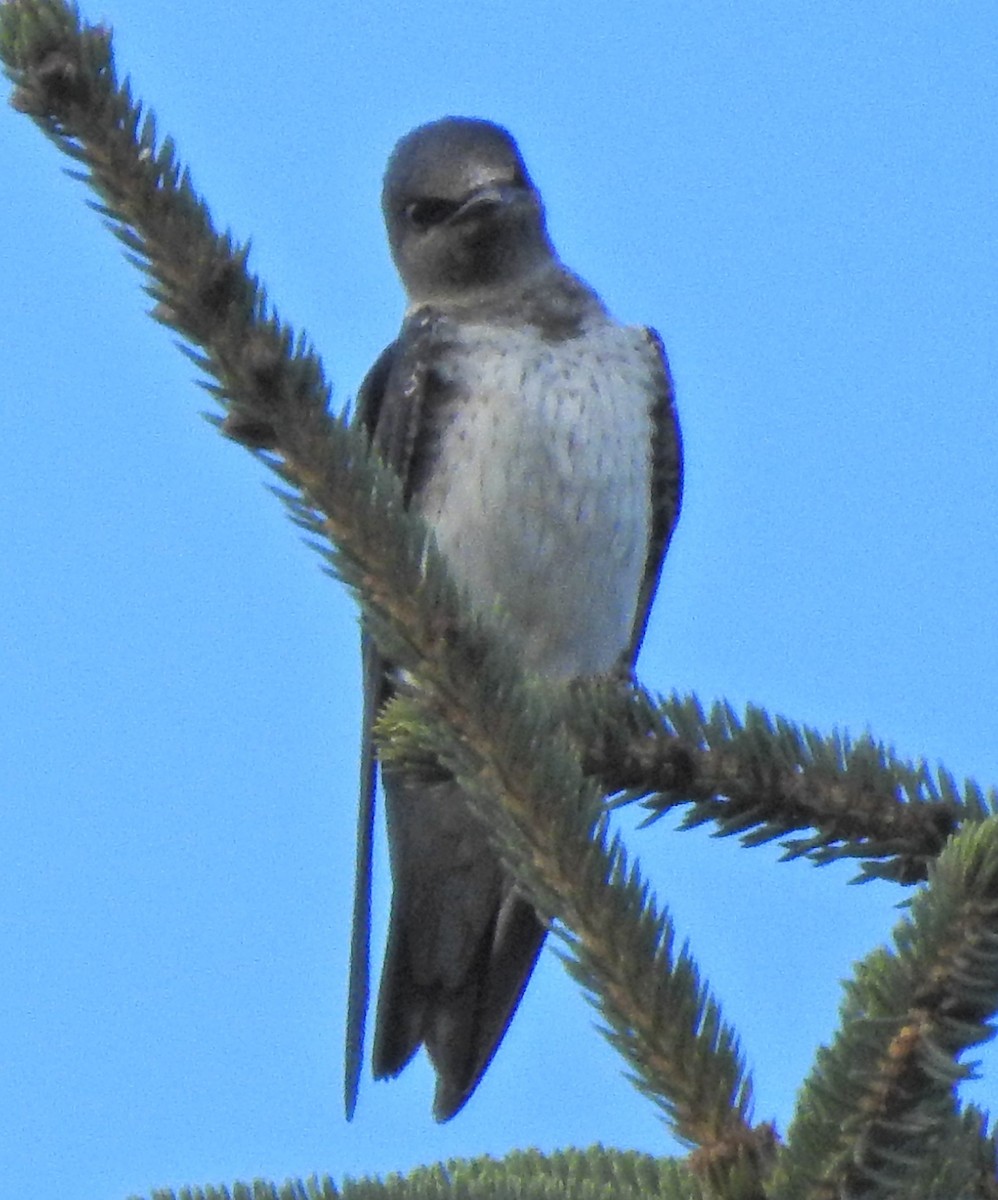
(537, 437)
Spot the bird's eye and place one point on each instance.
(424, 213)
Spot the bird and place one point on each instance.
(538, 438)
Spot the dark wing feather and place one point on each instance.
(369, 401)
(358, 994)
(389, 407)
(393, 397)
(666, 491)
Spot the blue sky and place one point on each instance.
(801, 199)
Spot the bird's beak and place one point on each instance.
(488, 199)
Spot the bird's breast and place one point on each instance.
(539, 489)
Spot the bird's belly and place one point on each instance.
(541, 502)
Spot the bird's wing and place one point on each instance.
(389, 408)
(666, 489)
(360, 942)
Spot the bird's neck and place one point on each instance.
(547, 296)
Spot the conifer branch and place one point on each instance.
(492, 727)
(962, 1163)
(879, 1104)
(764, 777)
(596, 1173)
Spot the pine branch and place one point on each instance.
(492, 727)
(879, 1104)
(593, 1174)
(763, 777)
(963, 1164)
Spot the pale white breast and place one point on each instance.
(540, 496)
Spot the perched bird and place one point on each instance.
(537, 436)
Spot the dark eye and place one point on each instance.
(424, 213)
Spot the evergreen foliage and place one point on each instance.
(878, 1116)
(525, 1175)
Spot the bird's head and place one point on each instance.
(461, 211)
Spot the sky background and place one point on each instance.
(801, 198)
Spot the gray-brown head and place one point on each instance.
(461, 211)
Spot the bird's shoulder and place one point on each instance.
(406, 388)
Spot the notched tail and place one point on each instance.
(461, 1026)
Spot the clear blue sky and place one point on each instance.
(801, 198)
